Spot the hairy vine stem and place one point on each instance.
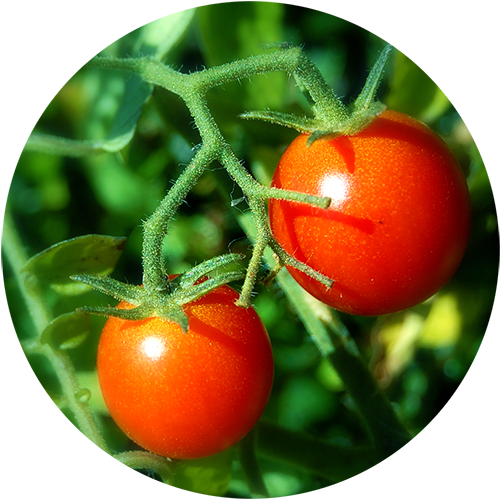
(192, 89)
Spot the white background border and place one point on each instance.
(44, 44)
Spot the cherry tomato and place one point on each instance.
(399, 220)
(187, 395)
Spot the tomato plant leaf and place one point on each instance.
(62, 146)
(124, 94)
(414, 93)
(155, 39)
(67, 331)
(89, 254)
(260, 23)
(159, 37)
(208, 476)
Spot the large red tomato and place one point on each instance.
(399, 220)
(187, 395)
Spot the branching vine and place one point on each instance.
(331, 117)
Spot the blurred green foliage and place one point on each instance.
(418, 356)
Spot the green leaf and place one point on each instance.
(443, 325)
(414, 93)
(208, 476)
(254, 25)
(61, 146)
(160, 36)
(124, 94)
(67, 331)
(157, 39)
(90, 254)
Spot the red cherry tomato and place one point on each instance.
(187, 395)
(399, 220)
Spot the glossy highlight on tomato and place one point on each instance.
(399, 221)
(187, 395)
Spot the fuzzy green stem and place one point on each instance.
(156, 227)
(327, 107)
(192, 88)
(260, 245)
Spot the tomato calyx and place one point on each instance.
(331, 117)
(165, 302)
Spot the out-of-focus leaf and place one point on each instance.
(208, 476)
(443, 325)
(282, 484)
(160, 36)
(414, 93)
(120, 93)
(259, 23)
(329, 377)
(398, 337)
(303, 402)
(155, 39)
(67, 331)
(90, 254)
(55, 145)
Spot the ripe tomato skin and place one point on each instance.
(187, 395)
(399, 220)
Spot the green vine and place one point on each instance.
(331, 118)
(164, 296)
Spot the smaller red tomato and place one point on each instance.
(187, 395)
(399, 220)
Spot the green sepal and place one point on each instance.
(300, 123)
(320, 134)
(367, 95)
(331, 117)
(136, 314)
(116, 289)
(189, 293)
(67, 331)
(93, 254)
(288, 260)
(193, 275)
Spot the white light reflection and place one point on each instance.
(153, 348)
(336, 187)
